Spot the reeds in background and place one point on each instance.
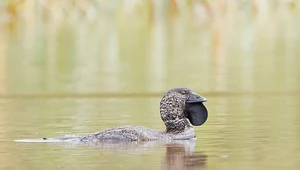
(49, 10)
(81, 45)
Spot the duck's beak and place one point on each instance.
(196, 98)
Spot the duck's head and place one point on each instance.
(179, 104)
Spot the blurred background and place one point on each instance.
(78, 66)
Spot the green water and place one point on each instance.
(71, 74)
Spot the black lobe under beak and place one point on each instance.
(195, 111)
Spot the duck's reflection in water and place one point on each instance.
(179, 154)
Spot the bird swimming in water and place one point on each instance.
(176, 106)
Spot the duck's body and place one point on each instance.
(128, 133)
(177, 105)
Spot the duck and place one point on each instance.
(180, 110)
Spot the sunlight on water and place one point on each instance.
(74, 67)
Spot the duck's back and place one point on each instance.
(129, 133)
(124, 133)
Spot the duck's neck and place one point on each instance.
(172, 113)
(177, 126)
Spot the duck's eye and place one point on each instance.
(183, 91)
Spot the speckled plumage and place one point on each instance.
(172, 109)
